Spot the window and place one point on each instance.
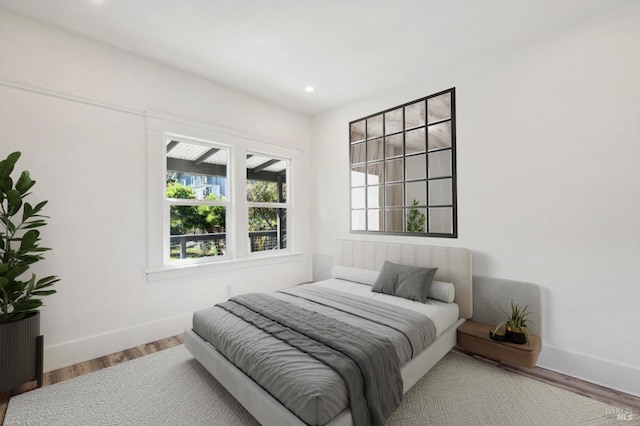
(197, 206)
(267, 202)
(197, 216)
(402, 162)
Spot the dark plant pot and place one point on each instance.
(20, 352)
(516, 337)
(500, 336)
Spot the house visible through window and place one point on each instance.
(198, 211)
(200, 219)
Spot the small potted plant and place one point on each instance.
(516, 325)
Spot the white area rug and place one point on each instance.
(172, 388)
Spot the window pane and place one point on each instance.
(197, 231)
(267, 228)
(266, 179)
(196, 172)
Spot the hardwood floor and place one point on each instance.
(613, 397)
(90, 366)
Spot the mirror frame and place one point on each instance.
(359, 131)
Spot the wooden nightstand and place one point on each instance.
(474, 337)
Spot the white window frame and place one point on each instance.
(162, 126)
(286, 205)
(191, 202)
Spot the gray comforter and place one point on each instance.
(263, 336)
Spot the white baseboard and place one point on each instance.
(69, 353)
(624, 378)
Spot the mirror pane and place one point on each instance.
(358, 153)
(393, 146)
(416, 167)
(393, 170)
(416, 193)
(414, 115)
(358, 174)
(415, 141)
(395, 220)
(440, 163)
(375, 195)
(358, 220)
(374, 127)
(393, 121)
(441, 220)
(357, 131)
(374, 220)
(358, 200)
(440, 192)
(375, 150)
(440, 136)
(416, 220)
(394, 195)
(374, 173)
(439, 108)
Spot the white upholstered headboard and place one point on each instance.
(453, 263)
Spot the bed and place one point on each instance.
(357, 257)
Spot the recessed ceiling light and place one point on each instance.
(309, 89)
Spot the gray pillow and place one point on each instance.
(387, 281)
(414, 282)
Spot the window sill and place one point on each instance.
(183, 271)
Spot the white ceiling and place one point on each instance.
(346, 49)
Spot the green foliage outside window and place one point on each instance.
(194, 219)
(260, 218)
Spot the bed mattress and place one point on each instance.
(310, 389)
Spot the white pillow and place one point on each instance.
(442, 291)
(439, 290)
(362, 276)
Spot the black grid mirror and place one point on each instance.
(403, 169)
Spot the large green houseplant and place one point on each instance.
(20, 294)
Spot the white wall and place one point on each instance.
(548, 183)
(74, 108)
